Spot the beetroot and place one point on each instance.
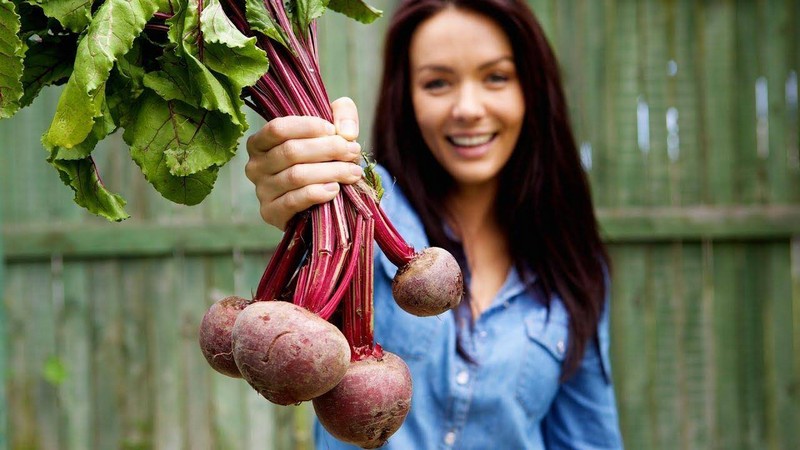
(287, 353)
(369, 404)
(215, 334)
(429, 284)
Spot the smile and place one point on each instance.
(471, 141)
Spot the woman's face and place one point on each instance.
(467, 98)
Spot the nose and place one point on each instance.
(468, 105)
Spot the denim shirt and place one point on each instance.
(509, 396)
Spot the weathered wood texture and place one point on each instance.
(686, 113)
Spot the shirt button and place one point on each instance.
(450, 438)
(462, 378)
(560, 346)
(482, 334)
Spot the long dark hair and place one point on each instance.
(544, 202)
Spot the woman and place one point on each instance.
(478, 157)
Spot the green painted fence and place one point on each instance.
(687, 117)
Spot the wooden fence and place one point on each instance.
(687, 117)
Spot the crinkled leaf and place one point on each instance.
(110, 35)
(356, 9)
(173, 81)
(306, 11)
(11, 60)
(73, 15)
(124, 86)
(227, 50)
(103, 126)
(213, 93)
(81, 175)
(48, 61)
(260, 20)
(180, 148)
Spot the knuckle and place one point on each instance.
(290, 152)
(277, 129)
(250, 170)
(294, 176)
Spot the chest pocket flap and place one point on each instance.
(549, 332)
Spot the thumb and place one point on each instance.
(345, 117)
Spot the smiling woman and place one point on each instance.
(471, 129)
(466, 95)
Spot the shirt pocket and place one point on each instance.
(544, 348)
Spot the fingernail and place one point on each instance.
(347, 127)
(355, 169)
(331, 187)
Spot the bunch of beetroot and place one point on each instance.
(307, 333)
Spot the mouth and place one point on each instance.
(474, 140)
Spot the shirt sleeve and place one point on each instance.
(583, 415)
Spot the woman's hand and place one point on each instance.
(298, 161)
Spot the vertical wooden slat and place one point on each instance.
(4, 353)
(655, 97)
(781, 374)
(629, 324)
(622, 34)
(696, 318)
(136, 404)
(108, 374)
(76, 349)
(716, 72)
(775, 27)
(750, 179)
(165, 339)
(751, 370)
(195, 382)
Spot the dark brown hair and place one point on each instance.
(544, 201)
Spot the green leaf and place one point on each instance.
(73, 15)
(48, 61)
(103, 126)
(81, 175)
(305, 12)
(11, 60)
(110, 35)
(356, 9)
(213, 93)
(55, 371)
(228, 51)
(174, 81)
(180, 148)
(260, 20)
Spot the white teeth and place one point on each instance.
(471, 141)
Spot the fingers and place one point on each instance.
(279, 211)
(296, 162)
(345, 116)
(282, 129)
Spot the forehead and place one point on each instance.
(458, 36)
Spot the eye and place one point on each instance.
(497, 78)
(435, 84)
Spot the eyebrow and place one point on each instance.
(441, 68)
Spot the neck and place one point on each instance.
(472, 209)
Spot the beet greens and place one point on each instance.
(175, 75)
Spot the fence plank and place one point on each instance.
(76, 351)
(706, 292)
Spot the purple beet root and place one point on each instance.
(215, 334)
(369, 404)
(287, 353)
(430, 284)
